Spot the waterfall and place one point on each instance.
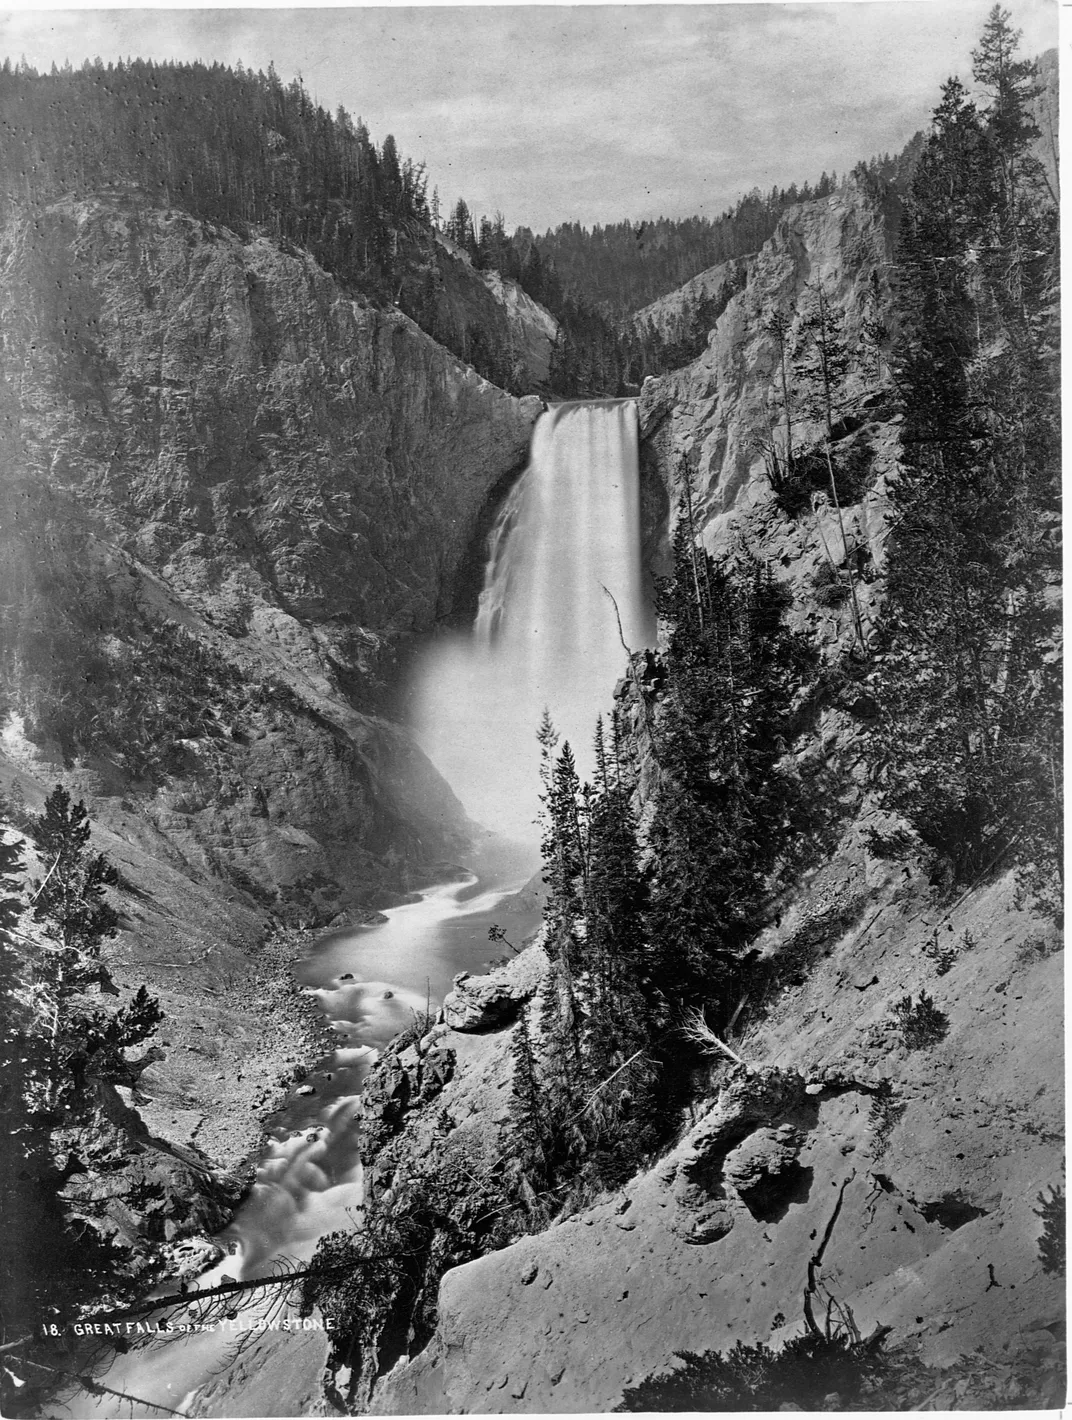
(545, 632)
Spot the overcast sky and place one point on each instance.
(585, 113)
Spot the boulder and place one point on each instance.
(485, 1002)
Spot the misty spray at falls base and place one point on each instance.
(546, 633)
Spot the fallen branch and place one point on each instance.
(816, 1260)
(604, 1083)
(42, 885)
(96, 1388)
(192, 1296)
(633, 674)
(700, 1033)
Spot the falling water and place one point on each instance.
(563, 554)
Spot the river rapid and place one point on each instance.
(370, 981)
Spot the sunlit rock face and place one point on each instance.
(714, 417)
(241, 424)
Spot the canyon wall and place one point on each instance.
(712, 422)
(231, 444)
(229, 493)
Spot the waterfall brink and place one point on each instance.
(545, 632)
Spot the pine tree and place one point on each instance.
(729, 806)
(48, 1269)
(823, 369)
(1010, 84)
(70, 903)
(526, 1108)
(969, 746)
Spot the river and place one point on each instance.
(369, 980)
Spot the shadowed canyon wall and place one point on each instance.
(224, 440)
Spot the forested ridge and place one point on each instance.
(247, 151)
(626, 265)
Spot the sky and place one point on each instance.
(584, 113)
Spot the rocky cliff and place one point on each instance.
(510, 319)
(224, 441)
(711, 422)
(670, 312)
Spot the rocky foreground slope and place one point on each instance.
(936, 1153)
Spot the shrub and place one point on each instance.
(944, 954)
(806, 1372)
(1051, 1245)
(921, 1023)
(884, 1113)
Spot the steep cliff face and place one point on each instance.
(714, 421)
(292, 477)
(667, 313)
(467, 305)
(532, 329)
(241, 425)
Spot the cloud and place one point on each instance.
(558, 113)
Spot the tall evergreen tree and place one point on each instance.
(730, 806)
(969, 746)
(70, 903)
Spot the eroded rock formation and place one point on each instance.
(290, 475)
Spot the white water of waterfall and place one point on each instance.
(546, 632)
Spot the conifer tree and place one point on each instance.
(729, 806)
(824, 367)
(526, 1108)
(69, 901)
(968, 748)
(48, 1270)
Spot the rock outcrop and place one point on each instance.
(670, 312)
(240, 425)
(711, 420)
(503, 317)
(477, 1002)
(290, 475)
(532, 329)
